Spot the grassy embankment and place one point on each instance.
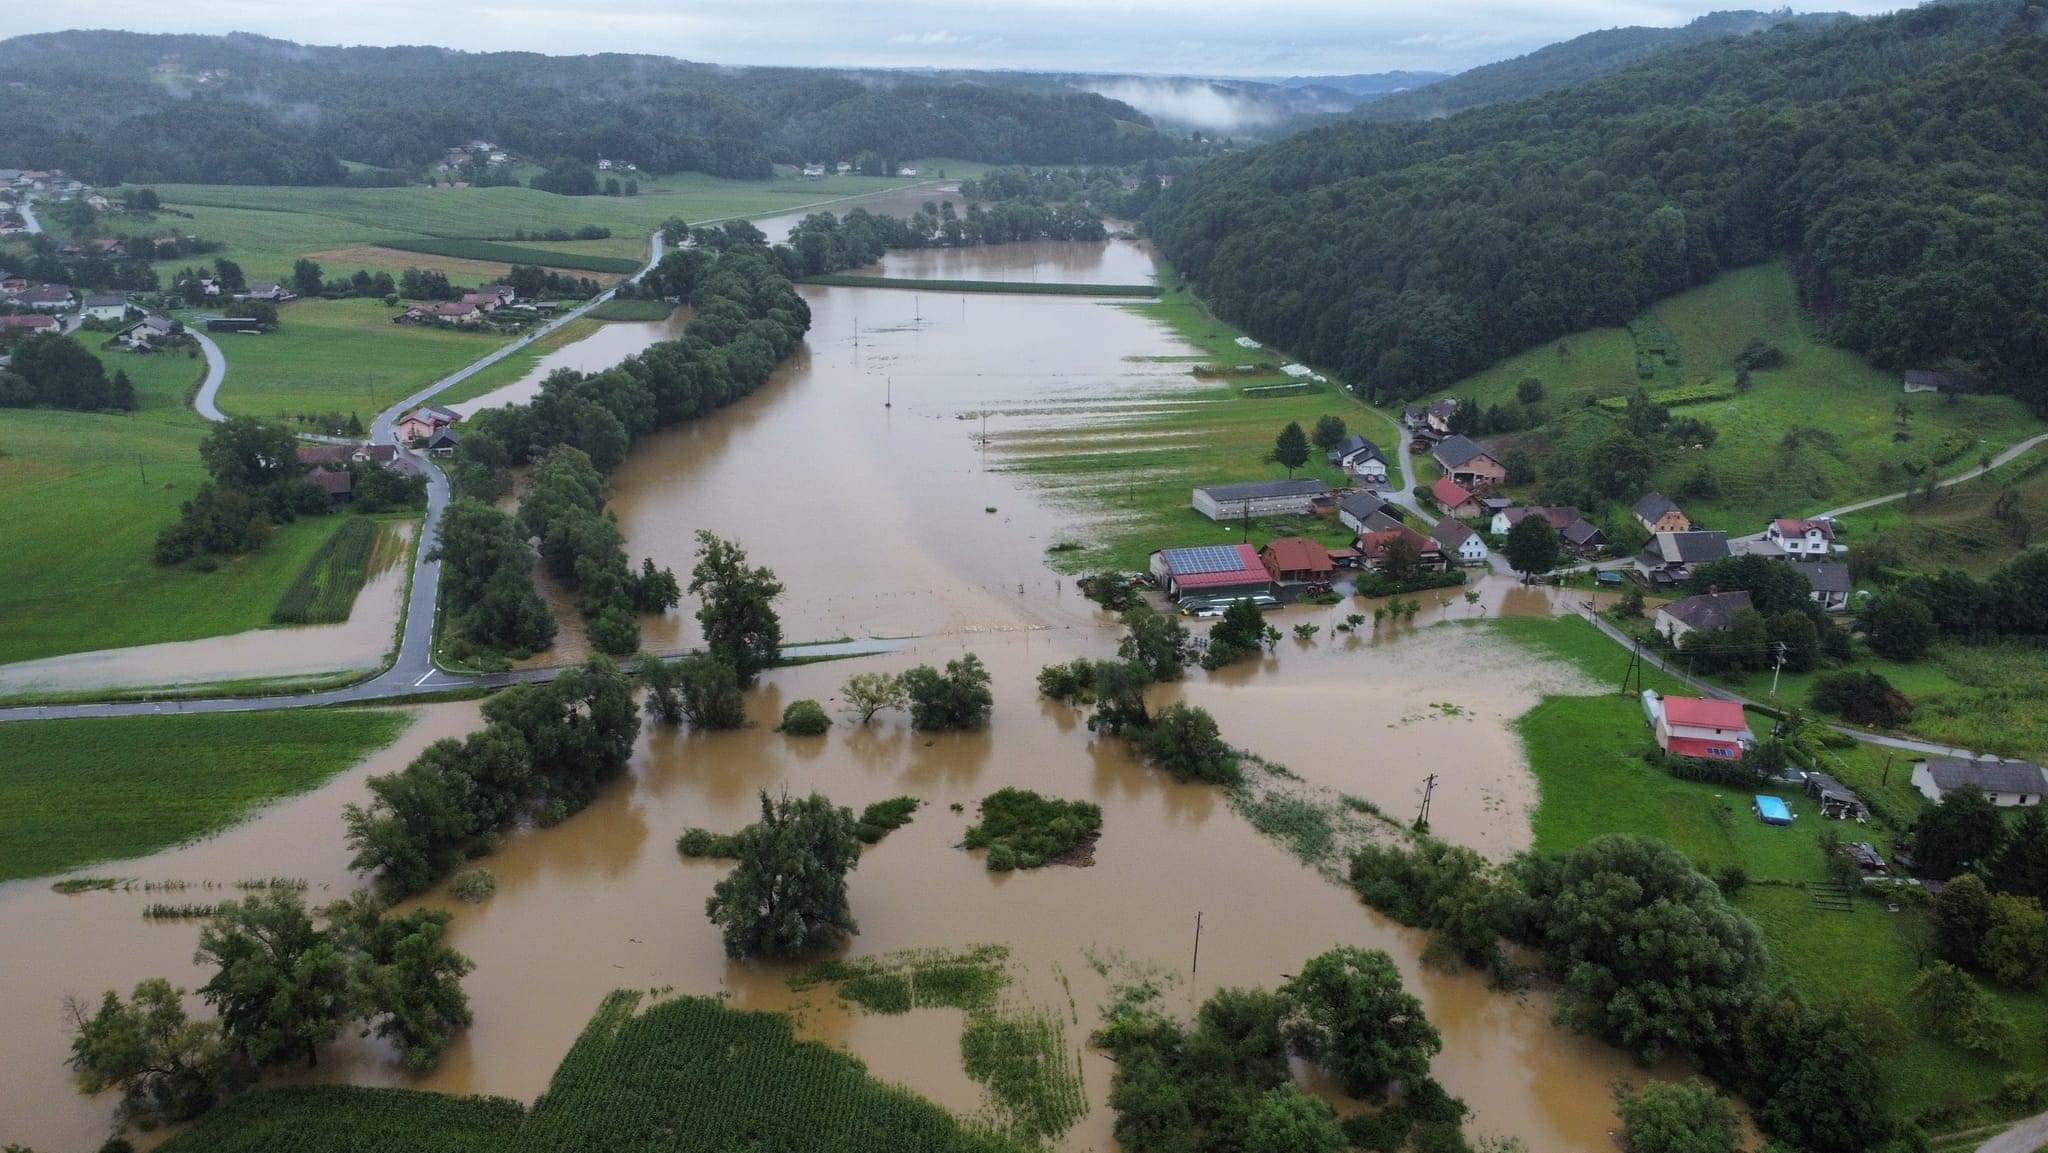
(1585, 752)
(340, 356)
(1954, 527)
(1140, 463)
(100, 789)
(1845, 409)
(83, 496)
(687, 1073)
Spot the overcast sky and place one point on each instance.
(1207, 37)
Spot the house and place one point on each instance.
(1297, 560)
(1459, 542)
(1219, 570)
(1453, 498)
(384, 454)
(1657, 513)
(1703, 613)
(485, 301)
(1830, 583)
(338, 484)
(28, 322)
(1259, 498)
(1560, 516)
(843, 167)
(46, 298)
(1297, 371)
(150, 331)
(1355, 508)
(1360, 458)
(1375, 547)
(1467, 463)
(1702, 727)
(906, 172)
(268, 290)
(1671, 557)
(1246, 341)
(506, 294)
(425, 422)
(1802, 537)
(1922, 380)
(11, 283)
(312, 454)
(814, 171)
(453, 311)
(1437, 417)
(1493, 506)
(108, 307)
(2009, 784)
(443, 442)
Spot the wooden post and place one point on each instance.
(1197, 965)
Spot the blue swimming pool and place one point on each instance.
(1772, 810)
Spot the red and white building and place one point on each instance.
(1802, 537)
(1699, 727)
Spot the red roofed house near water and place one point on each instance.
(1702, 727)
(1211, 570)
(1293, 559)
(1454, 498)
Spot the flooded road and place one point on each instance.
(860, 477)
(361, 642)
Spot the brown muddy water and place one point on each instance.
(360, 642)
(613, 342)
(859, 476)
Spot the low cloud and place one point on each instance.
(1189, 102)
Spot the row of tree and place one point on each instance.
(127, 270)
(822, 243)
(1182, 739)
(51, 370)
(1406, 256)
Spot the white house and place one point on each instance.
(2010, 784)
(111, 307)
(1460, 543)
(1247, 342)
(1699, 727)
(1360, 458)
(1802, 537)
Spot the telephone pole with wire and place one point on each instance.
(1776, 669)
(1428, 791)
(1635, 667)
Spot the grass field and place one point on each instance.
(492, 251)
(1954, 528)
(1141, 466)
(1692, 341)
(644, 310)
(83, 496)
(81, 791)
(1585, 752)
(686, 1074)
(339, 356)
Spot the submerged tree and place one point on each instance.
(1351, 1015)
(738, 613)
(281, 987)
(167, 1066)
(869, 693)
(787, 894)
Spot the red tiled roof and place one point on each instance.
(322, 453)
(1296, 554)
(28, 322)
(1701, 712)
(1449, 493)
(1792, 526)
(1374, 544)
(1695, 747)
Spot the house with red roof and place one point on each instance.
(1213, 570)
(1700, 727)
(1454, 498)
(1374, 548)
(1297, 560)
(1802, 537)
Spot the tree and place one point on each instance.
(57, 370)
(804, 718)
(664, 699)
(281, 987)
(1677, 1117)
(168, 1068)
(710, 692)
(1290, 448)
(580, 727)
(1862, 697)
(738, 614)
(1964, 829)
(869, 693)
(1184, 741)
(957, 699)
(2022, 866)
(1649, 951)
(1236, 634)
(229, 276)
(1287, 1120)
(1531, 547)
(1949, 1004)
(786, 896)
(1330, 431)
(1792, 634)
(1157, 643)
(2015, 948)
(1351, 1015)
(307, 277)
(1961, 916)
(1815, 1079)
(1529, 390)
(247, 454)
(417, 827)
(410, 979)
(1899, 627)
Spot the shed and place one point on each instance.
(1259, 498)
(1211, 570)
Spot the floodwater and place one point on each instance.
(360, 642)
(858, 474)
(610, 344)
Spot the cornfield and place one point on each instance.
(325, 590)
(346, 1119)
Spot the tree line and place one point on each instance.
(748, 318)
(51, 370)
(822, 243)
(129, 270)
(1406, 256)
(271, 112)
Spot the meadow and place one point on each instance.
(77, 792)
(1586, 755)
(339, 356)
(685, 1074)
(1852, 440)
(1953, 527)
(83, 496)
(1141, 466)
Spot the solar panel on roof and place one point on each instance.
(1204, 559)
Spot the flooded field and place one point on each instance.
(360, 642)
(610, 344)
(860, 477)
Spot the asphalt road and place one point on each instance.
(28, 215)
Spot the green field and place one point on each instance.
(686, 1075)
(83, 496)
(78, 792)
(1585, 752)
(339, 356)
(636, 309)
(464, 248)
(1700, 333)
(1954, 528)
(1141, 466)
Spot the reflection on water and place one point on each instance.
(360, 642)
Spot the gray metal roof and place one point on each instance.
(1654, 505)
(1362, 504)
(1456, 449)
(1689, 547)
(1992, 776)
(1708, 610)
(1450, 533)
(1827, 577)
(1258, 489)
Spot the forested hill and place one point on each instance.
(1570, 62)
(1901, 161)
(249, 110)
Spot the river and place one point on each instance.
(859, 475)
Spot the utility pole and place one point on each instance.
(1776, 669)
(1197, 965)
(889, 396)
(1428, 791)
(1886, 779)
(139, 470)
(1635, 667)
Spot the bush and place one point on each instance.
(959, 698)
(1185, 742)
(710, 692)
(1861, 697)
(1070, 684)
(1899, 627)
(1677, 1117)
(473, 885)
(1036, 829)
(804, 718)
(884, 817)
